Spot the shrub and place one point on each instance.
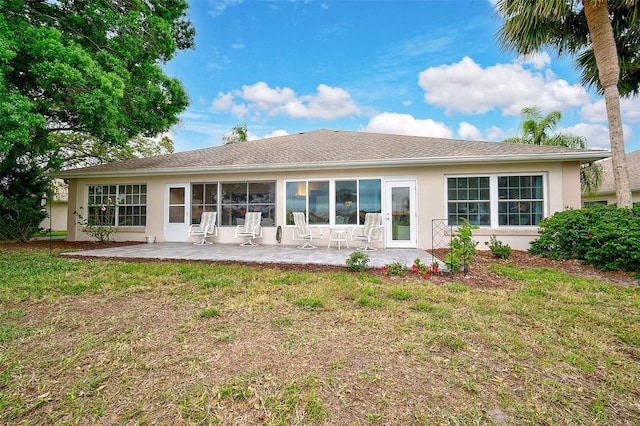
(463, 248)
(357, 261)
(499, 250)
(20, 219)
(398, 268)
(100, 224)
(395, 268)
(606, 237)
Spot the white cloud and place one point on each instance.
(469, 131)
(597, 135)
(276, 133)
(328, 103)
(596, 112)
(224, 102)
(468, 88)
(539, 59)
(630, 108)
(495, 133)
(219, 6)
(404, 124)
(189, 115)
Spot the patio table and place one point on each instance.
(339, 236)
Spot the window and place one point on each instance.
(520, 200)
(496, 200)
(469, 198)
(594, 203)
(355, 198)
(346, 202)
(312, 198)
(241, 197)
(204, 198)
(296, 199)
(121, 205)
(325, 202)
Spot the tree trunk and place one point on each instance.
(604, 48)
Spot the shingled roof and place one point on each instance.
(633, 165)
(332, 149)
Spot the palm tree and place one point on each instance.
(531, 24)
(625, 19)
(538, 130)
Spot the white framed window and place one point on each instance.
(496, 200)
(469, 198)
(333, 201)
(117, 205)
(310, 197)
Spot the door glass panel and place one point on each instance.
(400, 216)
(176, 214)
(176, 195)
(176, 205)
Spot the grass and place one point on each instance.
(51, 233)
(92, 341)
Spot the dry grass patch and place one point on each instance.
(187, 343)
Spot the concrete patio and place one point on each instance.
(258, 254)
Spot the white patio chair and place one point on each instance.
(205, 229)
(371, 230)
(305, 232)
(250, 229)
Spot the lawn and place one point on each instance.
(110, 342)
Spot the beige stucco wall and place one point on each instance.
(56, 216)
(611, 198)
(562, 186)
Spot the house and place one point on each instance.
(419, 184)
(607, 191)
(56, 208)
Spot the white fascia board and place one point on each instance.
(339, 165)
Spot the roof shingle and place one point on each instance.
(334, 149)
(633, 165)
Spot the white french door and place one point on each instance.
(400, 217)
(177, 201)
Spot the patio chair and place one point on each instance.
(305, 232)
(371, 230)
(205, 229)
(250, 229)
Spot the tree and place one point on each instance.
(625, 20)
(88, 67)
(23, 185)
(538, 129)
(80, 150)
(531, 24)
(239, 133)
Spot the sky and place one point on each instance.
(420, 67)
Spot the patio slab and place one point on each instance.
(258, 254)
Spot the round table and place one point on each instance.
(339, 235)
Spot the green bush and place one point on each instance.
(499, 250)
(20, 218)
(463, 248)
(357, 261)
(606, 237)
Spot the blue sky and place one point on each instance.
(429, 68)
